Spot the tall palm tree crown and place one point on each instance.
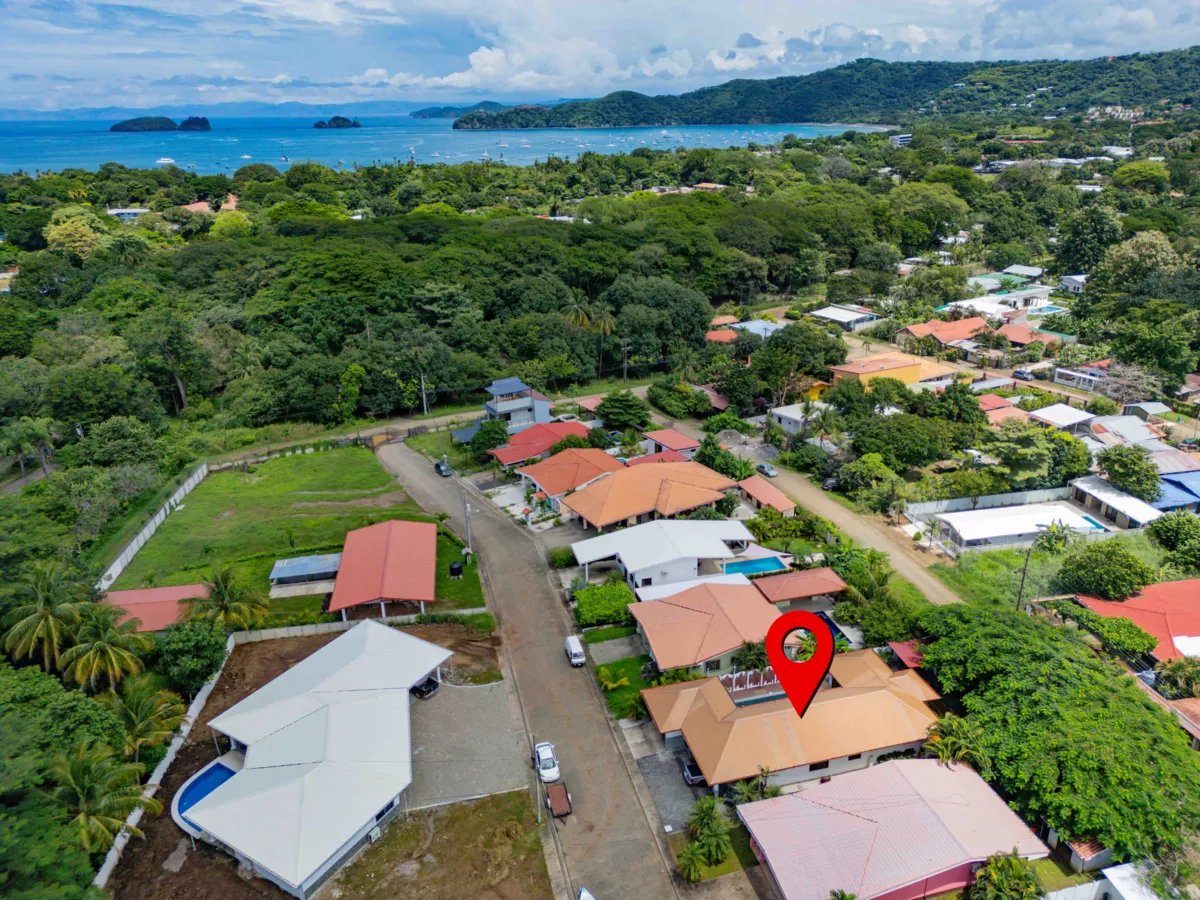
(106, 650)
(229, 603)
(49, 606)
(149, 715)
(99, 792)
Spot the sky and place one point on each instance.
(57, 54)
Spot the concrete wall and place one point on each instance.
(798, 774)
(666, 573)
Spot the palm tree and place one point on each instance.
(608, 681)
(49, 606)
(14, 443)
(604, 323)
(148, 714)
(577, 313)
(750, 656)
(1179, 677)
(1005, 876)
(826, 422)
(953, 739)
(1055, 538)
(709, 829)
(106, 649)
(41, 435)
(689, 862)
(99, 792)
(839, 894)
(228, 603)
(705, 813)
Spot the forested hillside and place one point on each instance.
(872, 91)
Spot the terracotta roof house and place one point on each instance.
(719, 321)
(536, 441)
(1190, 391)
(871, 711)
(908, 652)
(155, 608)
(669, 439)
(904, 829)
(945, 332)
(716, 399)
(1022, 335)
(901, 366)
(993, 401)
(807, 589)
(721, 336)
(703, 626)
(230, 202)
(589, 403)
(665, 456)
(390, 562)
(641, 493)
(568, 470)
(760, 492)
(1169, 610)
(997, 416)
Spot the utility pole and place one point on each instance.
(467, 514)
(1025, 569)
(424, 401)
(624, 360)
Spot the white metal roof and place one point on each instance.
(985, 306)
(1013, 521)
(662, 541)
(1131, 881)
(660, 591)
(328, 748)
(796, 410)
(842, 314)
(1060, 415)
(1112, 496)
(1024, 271)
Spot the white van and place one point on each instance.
(574, 649)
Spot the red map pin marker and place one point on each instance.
(800, 680)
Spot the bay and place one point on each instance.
(56, 145)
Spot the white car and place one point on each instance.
(545, 762)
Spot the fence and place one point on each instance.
(1092, 890)
(125, 557)
(925, 510)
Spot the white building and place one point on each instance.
(1111, 503)
(1073, 284)
(662, 591)
(319, 758)
(1024, 271)
(791, 418)
(761, 327)
(1061, 416)
(846, 317)
(665, 550)
(981, 529)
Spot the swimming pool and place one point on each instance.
(1098, 526)
(755, 566)
(200, 786)
(1047, 310)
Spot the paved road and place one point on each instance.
(865, 531)
(608, 843)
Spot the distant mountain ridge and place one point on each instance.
(453, 112)
(873, 91)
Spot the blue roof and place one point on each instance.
(510, 385)
(302, 566)
(1178, 490)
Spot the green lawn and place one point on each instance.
(742, 856)
(993, 577)
(631, 668)
(606, 385)
(288, 506)
(461, 593)
(438, 444)
(797, 547)
(1054, 876)
(608, 633)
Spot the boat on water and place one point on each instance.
(165, 161)
(284, 159)
(245, 156)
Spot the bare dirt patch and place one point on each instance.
(392, 498)
(475, 659)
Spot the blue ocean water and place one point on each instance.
(53, 146)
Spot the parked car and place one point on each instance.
(767, 469)
(692, 774)
(426, 688)
(574, 650)
(443, 468)
(558, 800)
(545, 761)
(830, 484)
(1023, 375)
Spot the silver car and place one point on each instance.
(766, 469)
(546, 762)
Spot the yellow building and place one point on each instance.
(901, 366)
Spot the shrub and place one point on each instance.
(1104, 568)
(483, 622)
(1119, 635)
(188, 653)
(805, 458)
(1174, 529)
(727, 421)
(678, 400)
(604, 604)
(561, 557)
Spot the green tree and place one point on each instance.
(865, 473)
(623, 410)
(492, 433)
(148, 714)
(1144, 175)
(228, 602)
(750, 657)
(48, 606)
(690, 862)
(1104, 568)
(1005, 876)
(708, 828)
(120, 440)
(1086, 236)
(188, 653)
(1174, 529)
(1130, 468)
(105, 651)
(953, 739)
(99, 791)
(1178, 677)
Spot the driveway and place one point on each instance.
(608, 844)
(673, 797)
(864, 531)
(466, 742)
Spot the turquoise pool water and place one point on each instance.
(200, 787)
(1047, 310)
(1095, 524)
(755, 566)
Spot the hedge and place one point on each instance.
(1118, 635)
(604, 604)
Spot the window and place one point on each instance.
(379, 816)
(646, 582)
(854, 756)
(712, 665)
(817, 767)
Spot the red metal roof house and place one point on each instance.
(155, 608)
(391, 562)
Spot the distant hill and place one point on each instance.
(453, 112)
(338, 122)
(873, 91)
(162, 123)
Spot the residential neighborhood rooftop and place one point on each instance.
(664, 540)
(569, 469)
(390, 561)
(1060, 415)
(767, 494)
(666, 489)
(536, 440)
(1169, 610)
(800, 585)
(671, 439)
(157, 607)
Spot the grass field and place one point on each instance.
(608, 633)
(631, 668)
(288, 506)
(993, 577)
(437, 444)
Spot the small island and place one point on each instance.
(162, 123)
(338, 122)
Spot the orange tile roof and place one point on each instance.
(667, 488)
(536, 440)
(945, 332)
(155, 608)
(766, 493)
(703, 622)
(996, 416)
(664, 456)
(672, 439)
(718, 321)
(993, 401)
(885, 362)
(721, 335)
(1021, 335)
(589, 403)
(873, 708)
(569, 469)
(393, 560)
(799, 585)
(1168, 610)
